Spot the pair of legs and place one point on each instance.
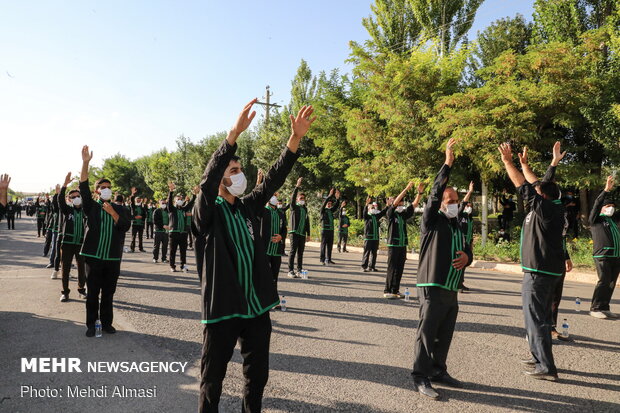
(537, 296)
(343, 237)
(369, 259)
(149, 230)
(607, 269)
(219, 342)
(396, 265)
(161, 241)
(275, 262)
(327, 244)
(178, 240)
(68, 252)
(101, 278)
(136, 230)
(438, 311)
(298, 244)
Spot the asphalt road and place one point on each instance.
(340, 347)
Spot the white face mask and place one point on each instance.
(77, 201)
(41, 203)
(239, 183)
(162, 205)
(467, 210)
(452, 210)
(374, 211)
(302, 202)
(400, 208)
(105, 194)
(273, 200)
(279, 206)
(138, 203)
(344, 213)
(609, 211)
(179, 202)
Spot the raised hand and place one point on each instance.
(244, 120)
(609, 185)
(5, 180)
(134, 190)
(171, 186)
(506, 151)
(299, 181)
(301, 123)
(196, 190)
(337, 194)
(523, 158)
(331, 192)
(57, 188)
(86, 155)
(471, 186)
(409, 186)
(450, 152)
(558, 155)
(67, 179)
(368, 200)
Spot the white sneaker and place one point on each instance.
(609, 314)
(64, 298)
(598, 314)
(390, 296)
(154, 260)
(184, 268)
(54, 275)
(291, 274)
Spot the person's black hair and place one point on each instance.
(550, 189)
(301, 194)
(101, 181)
(72, 191)
(236, 158)
(119, 198)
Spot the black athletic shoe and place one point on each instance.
(142, 251)
(448, 380)
(49, 266)
(82, 292)
(331, 262)
(375, 270)
(90, 332)
(109, 329)
(164, 260)
(539, 375)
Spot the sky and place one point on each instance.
(130, 77)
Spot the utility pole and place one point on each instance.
(267, 105)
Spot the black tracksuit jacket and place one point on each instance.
(300, 222)
(73, 221)
(137, 211)
(327, 214)
(103, 238)
(237, 282)
(440, 239)
(397, 226)
(160, 218)
(542, 235)
(371, 224)
(177, 220)
(605, 234)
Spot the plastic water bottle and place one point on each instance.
(283, 303)
(565, 329)
(98, 329)
(407, 294)
(304, 274)
(578, 304)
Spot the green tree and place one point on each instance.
(393, 26)
(124, 175)
(446, 21)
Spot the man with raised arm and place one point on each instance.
(329, 206)
(543, 259)
(606, 238)
(444, 254)
(237, 285)
(371, 216)
(71, 237)
(138, 219)
(299, 230)
(397, 215)
(177, 221)
(107, 224)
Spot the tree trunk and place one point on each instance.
(485, 214)
(584, 207)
